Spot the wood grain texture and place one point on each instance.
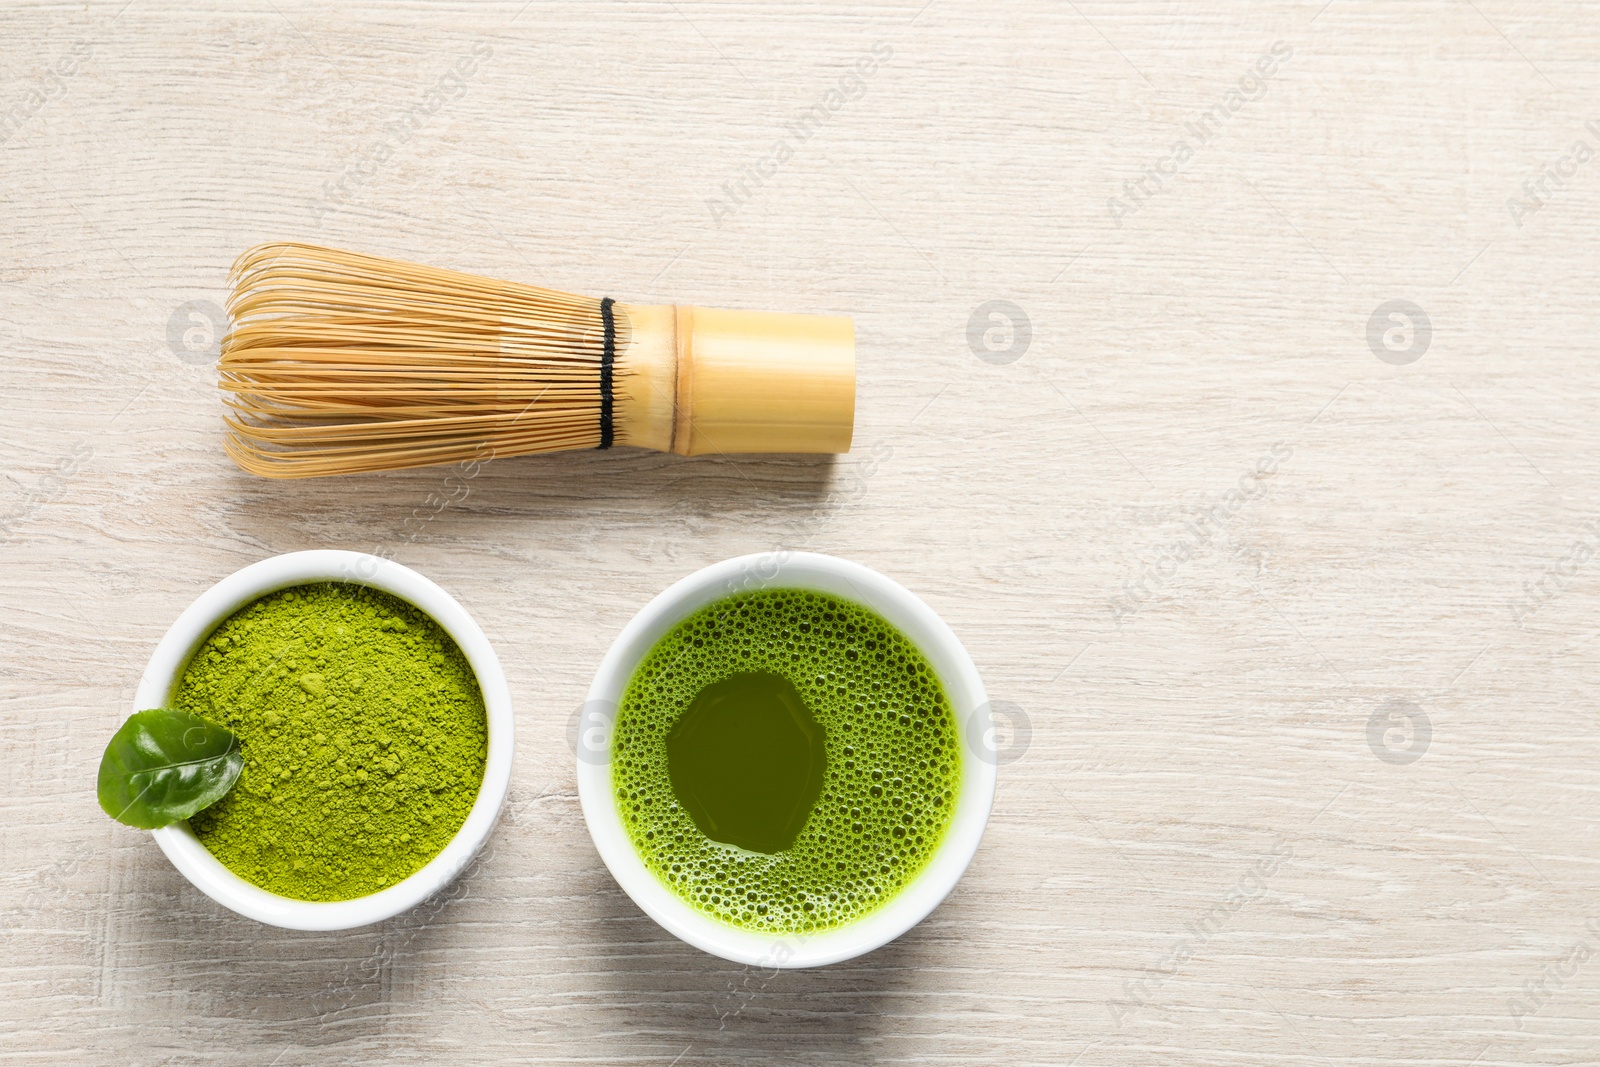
(1200, 856)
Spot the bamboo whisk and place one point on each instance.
(339, 362)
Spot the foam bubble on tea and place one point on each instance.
(785, 760)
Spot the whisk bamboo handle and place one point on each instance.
(701, 381)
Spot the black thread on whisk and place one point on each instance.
(606, 360)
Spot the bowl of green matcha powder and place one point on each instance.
(376, 730)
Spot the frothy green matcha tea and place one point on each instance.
(785, 760)
(364, 738)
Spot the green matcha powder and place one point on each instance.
(364, 736)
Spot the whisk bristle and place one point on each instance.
(339, 362)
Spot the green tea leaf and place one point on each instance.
(165, 765)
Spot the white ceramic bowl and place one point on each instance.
(850, 581)
(297, 568)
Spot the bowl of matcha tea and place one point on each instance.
(782, 759)
(375, 729)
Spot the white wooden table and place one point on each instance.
(1297, 600)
